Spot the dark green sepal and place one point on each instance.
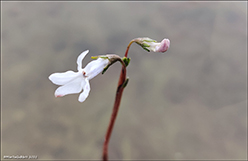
(145, 49)
(145, 45)
(105, 69)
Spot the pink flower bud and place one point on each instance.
(163, 46)
(152, 45)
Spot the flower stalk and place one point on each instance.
(130, 43)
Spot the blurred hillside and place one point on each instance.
(188, 103)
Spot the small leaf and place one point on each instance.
(125, 83)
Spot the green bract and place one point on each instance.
(125, 83)
(126, 61)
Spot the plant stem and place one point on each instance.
(119, 91)
(129, 47)
(118, 96)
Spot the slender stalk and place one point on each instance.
(118, 96)
(119, 91)
(129, 47)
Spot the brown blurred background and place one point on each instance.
(188, 103)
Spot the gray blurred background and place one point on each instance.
(188, 103)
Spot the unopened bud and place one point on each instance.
(152, 45)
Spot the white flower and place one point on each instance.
(74, 82)
(152, 45)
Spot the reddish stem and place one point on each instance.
(118, 95)
(119, 91)
(129, 47)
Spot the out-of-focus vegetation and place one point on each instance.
(188, 103)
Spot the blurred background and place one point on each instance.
(188, 103)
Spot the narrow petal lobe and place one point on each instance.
(63, 78)
(86, 91)
(75, 86)
(80, 59)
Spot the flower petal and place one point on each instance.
(63, 78)
(153, 46)
(95, 67)
(164, 46)
(80, 58)
(85, 93)
(75, 86)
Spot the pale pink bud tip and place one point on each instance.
(164, 46)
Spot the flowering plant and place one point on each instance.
(74, 82)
